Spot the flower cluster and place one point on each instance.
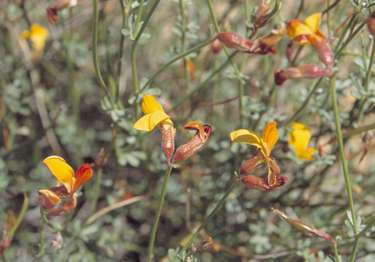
(307, 32)
(155, 116)
(265, 145)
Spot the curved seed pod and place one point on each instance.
(168, 133)
(186, 150)
(302, 226)
(302, 71)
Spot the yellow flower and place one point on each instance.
(154, 115)
(298, 139)
(65, 174)
(38, 35)
(61, 198)
(264, 143)
(305, 32)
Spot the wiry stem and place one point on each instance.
(95, 22)
(155, 226)
(344, 162)
(189, 241)
(134, 49)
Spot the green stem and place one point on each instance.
(95, 22)
(344, 162)
(133, 51)
(204, 82)
(359, 130)
(355, 249)
(155, 226)
(20, 217)
(187, 243)
(367, 81)
(42, 239)
(121, 48)
(96, 190)
(337, 256)
(174, 59)
(235, 69)
(183, 43)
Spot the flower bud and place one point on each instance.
(58, 5)
(101, 158)
(248, 166)
(235, 41)
(57, 200)
(261, 14)
(186, 150)
(371, 24)
(323, 48)
(168, 133)
(255, 182)
(216, 46)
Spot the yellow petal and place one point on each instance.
(270, 136)
(38, 36)
(300, 135)
(149, 121)
(297, 28)
(247, 137)
(150, 105)
(63, 172)
(313, 21)
(299, 139)
(305, 153)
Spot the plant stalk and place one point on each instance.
(155, 226)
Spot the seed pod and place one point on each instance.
(235, 41)
(323, 48)
(186, 150)
(302, 226)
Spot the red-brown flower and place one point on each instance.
(203, 133)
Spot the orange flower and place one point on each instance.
(61, 198)
(308, 32)
(265, 144)
(305, 32)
